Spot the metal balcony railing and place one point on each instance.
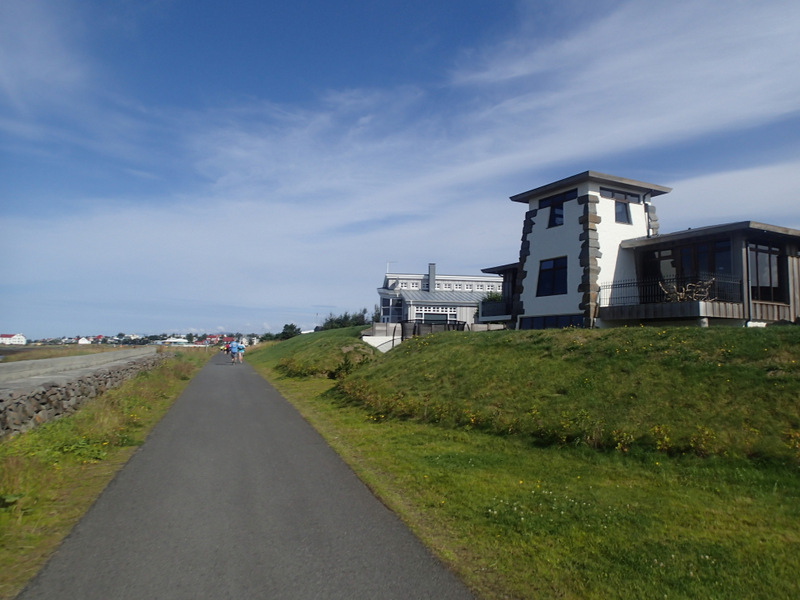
(711, 288)
(495, 308)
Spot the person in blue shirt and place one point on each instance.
(234, 351)
(240, 351)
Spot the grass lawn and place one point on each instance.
(628, 463)
(559, 506)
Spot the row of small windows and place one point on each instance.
(619, 195)
(452, 310)
(479, 287)
(468, 287)
(558, 198)
(622, 210)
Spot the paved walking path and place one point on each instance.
(234, 495)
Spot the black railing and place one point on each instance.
(495, 308)
(712, 288)
(413, 328)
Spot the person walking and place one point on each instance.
(234, 351)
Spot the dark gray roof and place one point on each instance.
(501, 269)
(698, 232)
(442, 297)
(545, 190)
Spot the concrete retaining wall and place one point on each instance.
(23, 408)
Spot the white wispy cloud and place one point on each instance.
(39, 61)
(766, 194)
(269, 209)
(645, 74)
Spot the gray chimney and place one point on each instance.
(431, 277)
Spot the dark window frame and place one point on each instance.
(625, 210)
(552, 279)
(556, 214)
(767, 278)
(556, 205)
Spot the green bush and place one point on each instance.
(333, 353)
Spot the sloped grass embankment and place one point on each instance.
(638, 462)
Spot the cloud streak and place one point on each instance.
(253, 210)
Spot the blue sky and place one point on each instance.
(203, 166)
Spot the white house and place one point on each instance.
(13, 339)
(433, 298)
(592, 256)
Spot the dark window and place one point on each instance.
(703, 255)
(765, 273)
(434, 318)
(659, 265)
(556, 214)
(622, 212)
(723, 265)
(552, 277)
(711, 259)
(687, 262)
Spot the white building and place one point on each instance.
(13, 339)
(592, 256)
(432, 298)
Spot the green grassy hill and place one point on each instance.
(325, 353)
(721, 391)
(627, 463)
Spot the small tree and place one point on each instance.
(290, 330)
(345, 320)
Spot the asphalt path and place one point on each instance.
(234, 495)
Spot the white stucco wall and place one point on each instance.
(554, 242)
(615, 265)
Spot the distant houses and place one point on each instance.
(192, 340)
(13, 339)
